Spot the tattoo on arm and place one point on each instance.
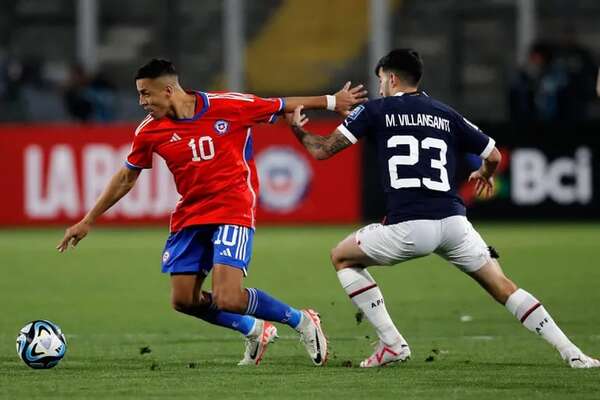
(321, 147)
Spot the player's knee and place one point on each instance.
(339, 260)
(336, 258)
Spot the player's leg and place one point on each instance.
(350, 260)
(464, 247)
(232, 253)
(531, 313)
(188, 258)
(187, 298)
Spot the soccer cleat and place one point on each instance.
(582, 361)
(313, 338)
(385, 355)
(256, 345)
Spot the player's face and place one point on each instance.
(384, 84)
(154, 96)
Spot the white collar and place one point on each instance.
(403, 93)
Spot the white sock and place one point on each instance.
(534, 317)
(365, 294)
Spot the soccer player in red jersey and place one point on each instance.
(206, 141)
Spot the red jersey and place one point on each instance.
(210, 157)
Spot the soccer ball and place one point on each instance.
(41, 344)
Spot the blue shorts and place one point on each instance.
(195, 249)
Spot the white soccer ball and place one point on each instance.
(41, 344)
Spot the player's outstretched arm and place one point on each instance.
(342, 101)
(484, 176)
(119, 185)
(320, 147)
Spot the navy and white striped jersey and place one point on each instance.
(419, 143)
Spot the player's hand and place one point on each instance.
(296, 119)
(484, 186)
(346, 98)
(73, 235)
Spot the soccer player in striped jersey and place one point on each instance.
(206, 141)
(419, 143)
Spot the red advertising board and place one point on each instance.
(52, 174)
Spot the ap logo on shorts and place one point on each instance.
(285, 176)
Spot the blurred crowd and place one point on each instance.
(30, 92)
(557, 82)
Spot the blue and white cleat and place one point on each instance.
(256, 345)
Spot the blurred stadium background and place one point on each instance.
(524, 70)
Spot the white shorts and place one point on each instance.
(452, 238)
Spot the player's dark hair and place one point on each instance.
(406, 63)
(156, 68)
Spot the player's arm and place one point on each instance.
(341, 102)
(484, 176)
(120, 184)
(320, 147)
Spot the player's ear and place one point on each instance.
(169, 90)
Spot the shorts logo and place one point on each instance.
(285, 176)
(166, 256)
(221, 127)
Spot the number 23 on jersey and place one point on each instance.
(442, 185)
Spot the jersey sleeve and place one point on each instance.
(356, 125)
(256, 109)
(140, 155)
(472, 139)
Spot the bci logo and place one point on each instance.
(565, 180)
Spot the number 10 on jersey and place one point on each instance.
(205, 150)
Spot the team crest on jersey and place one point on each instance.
(221, 127)
(285, 177)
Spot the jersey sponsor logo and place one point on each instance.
(221, 127)
(175, 137)
(285, 176)
(354, 114)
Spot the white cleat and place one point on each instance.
(582, 361)
(386, 354)
(313, 338)
(256, 345)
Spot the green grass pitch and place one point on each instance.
(111, 301)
